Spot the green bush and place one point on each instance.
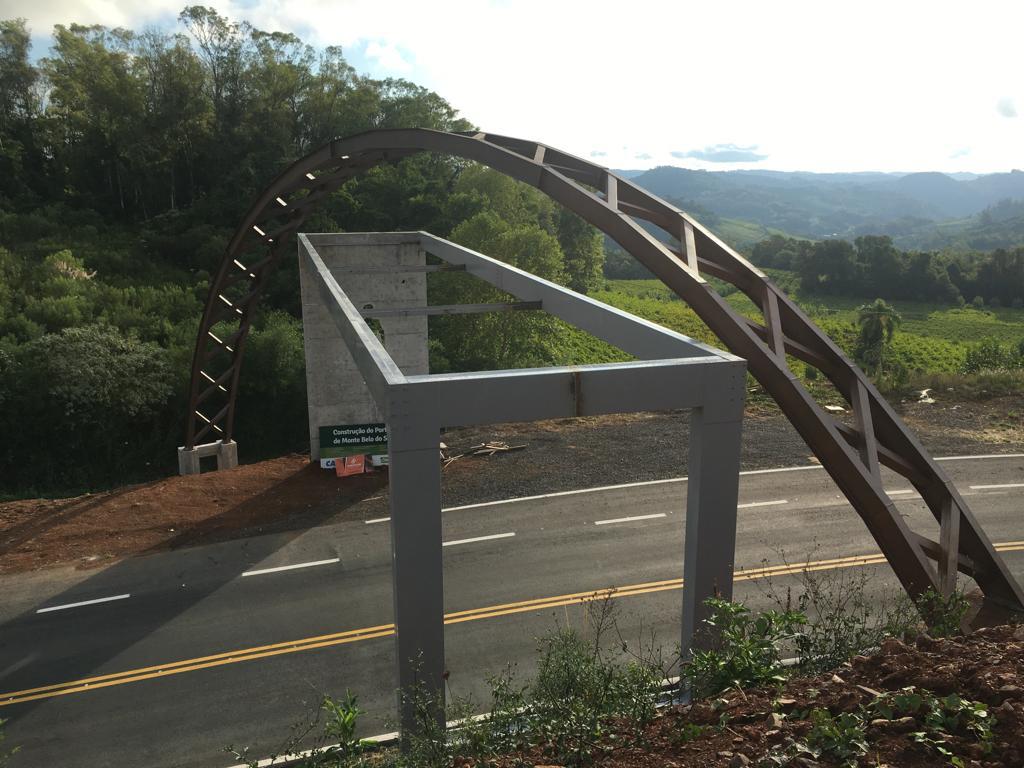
(991, 355)
(96, 401)
(843, 618)
(745, 649)
(942, 615)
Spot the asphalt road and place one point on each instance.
(165, 660)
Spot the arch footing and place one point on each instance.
(226, 452)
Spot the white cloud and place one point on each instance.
(827, 86)
(387, 57)
(1006, 107)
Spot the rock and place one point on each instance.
(739, 760)
(926, 642)
(838, 680)
(901, 725)
(738, 740)
(725, 753)
(785, 704)
(773, 734)
(892, 646)
(775, 719)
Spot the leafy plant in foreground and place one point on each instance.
(746, 651)
(940, 718)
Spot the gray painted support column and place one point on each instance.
(711, 496)
(417, 567)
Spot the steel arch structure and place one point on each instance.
(852, 455)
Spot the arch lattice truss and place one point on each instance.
(850, 454)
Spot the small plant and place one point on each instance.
(942, 615)
(842, 737)
(747, 648)
(687, 733)
(940, 718)
(342, 717)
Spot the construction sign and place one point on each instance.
(352, 440)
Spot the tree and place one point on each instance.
(21, 159)
(498, 339)
(583, 247)
(877, 322)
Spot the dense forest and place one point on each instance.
(125, 161)
(872, 266)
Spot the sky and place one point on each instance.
(777, 84)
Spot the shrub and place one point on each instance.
(843, 619)
(991, 355)
(747, 649)
(978, 302)
(578, 693)
(942, 615)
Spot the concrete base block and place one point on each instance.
(189, 458)
(188, 461)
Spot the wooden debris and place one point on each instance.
(483, 449)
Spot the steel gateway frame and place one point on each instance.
(671, 371)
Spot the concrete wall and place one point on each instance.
(334, 386)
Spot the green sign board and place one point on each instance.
(352, 440)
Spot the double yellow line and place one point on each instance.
(458, 617)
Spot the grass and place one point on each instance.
(932, 340)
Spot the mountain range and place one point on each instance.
(917, 209)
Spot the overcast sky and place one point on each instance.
(817, 86)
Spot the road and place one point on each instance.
(167, 659)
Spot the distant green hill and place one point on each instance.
(998, 226)
(918, 210)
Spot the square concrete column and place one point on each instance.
(417, 565)
(370, 268)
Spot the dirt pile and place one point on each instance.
(280, 494)
(893, 694)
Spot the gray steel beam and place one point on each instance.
(416, 408)
(711, 497)
(399, 269)
(492, 397)
(641, 338)
(452, 309)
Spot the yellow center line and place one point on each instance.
(457, 617)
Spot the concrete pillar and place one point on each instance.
(417, 566)
(335, 388)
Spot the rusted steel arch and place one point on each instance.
(850, 454)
